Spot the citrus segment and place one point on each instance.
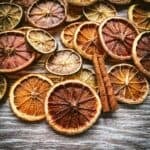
(3, 86)
(81, 2)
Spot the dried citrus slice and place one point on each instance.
(27, 97)
(141, 52)
(117, 36)
(24, 29)
(120, 2)
(72, 107)
(3, 86)
(23, 3)
(140, 15)
(46, 14)
(99, 11)
(64, 62)
(67, 34)
(130, 86)
(86, 40)
(81, 2)
(41, 41)
(10, 16)
(14, 53)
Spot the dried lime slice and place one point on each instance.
(3, 86)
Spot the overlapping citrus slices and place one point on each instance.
(120, 2)
(99, 11)
(8, 20)
(117, 36)
(81, 2)
(72, 107)
(140, 16)
(129, 84)
(3, 86)
(46, 14)
(27, 97)
(141, 52)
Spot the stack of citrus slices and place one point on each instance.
(66, 39)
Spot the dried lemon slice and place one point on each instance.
(86, 40)
(27, 97)
(140, 15)
(99, 11)
(81, 2)
(41, 41)
(129, 84)
(10, 16)
(14, 52)
(72, 107)
(3, 86)
(120, 2)
(117, 36)
(141, 52)
(64, 62)
(46, 14)
(67, 34)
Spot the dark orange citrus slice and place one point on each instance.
(120, 2)
(3, 86)
(72, 107)
(117, 36)
(81, 2)
(130, 86)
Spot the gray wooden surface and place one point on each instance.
(126, 129)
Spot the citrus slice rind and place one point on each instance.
(117, 36)
(81, 2)
(41, 41)
(14, 53)
(3, 86)
(67, 34)
(86, 40)
(64, 62)
(130, 86)
(72, 107)
(27, 97)
(8, 20)
(140, 16)
(99, 11)
(24, 28)
(120, 2)
(46, 14)
(141, 52)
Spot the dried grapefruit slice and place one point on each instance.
(46, 14)
(81, 2)
(99, 11)
(141, 52)
(14, 53)
(3, 86)
(140, 15)
(41, 41)
(72, 107)
(67, 34)
(64, 62)
(86, 40)
(120, 2)
(129, 84)
(27, 97)
(117, 36)
(10, 16)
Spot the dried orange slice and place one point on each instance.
(10, 16)
(81, 2)
(86, 40)
(41, 41)
(46, 14)
(14, 52)
(64, 62)
(72, 107)
(23, 3)
(3, 86)
(67, 34)
(117, 36)
(120, 2)
(27, 97)
(130, 86)
(99, 11)
(140, 15)
(141, 52)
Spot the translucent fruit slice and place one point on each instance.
(14, 52)
(141, 52)
(64, 62)
(120, 2)
(86, 40)
(81, 2)
(41, 41)
(3, 86)
(72, 107)
(129, 84)
(46, 14)
(10, 16)
(27, 97)
(67, 34)
(99, 11)
(117, 36)
(140, 15)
